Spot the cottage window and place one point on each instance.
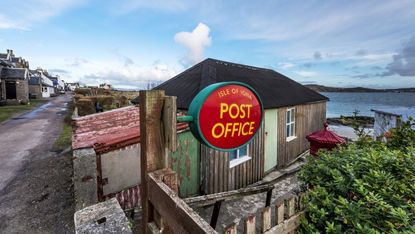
(239, 156)
(290, 123)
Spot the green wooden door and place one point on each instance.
(271, 131)
(186, 162)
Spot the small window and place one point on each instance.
(290, 124)
(239, 156)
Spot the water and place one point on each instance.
(346, 103)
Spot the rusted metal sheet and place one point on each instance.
(106, 128)
(109, 130)
(128, 198)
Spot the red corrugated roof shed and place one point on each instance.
(109, 130)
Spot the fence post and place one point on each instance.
(266, 219)
(250, 225)
(291, 206)
(279, 211)
(152, 147)
(231, 229)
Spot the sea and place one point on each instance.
(346, 103)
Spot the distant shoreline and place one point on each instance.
(322, 88)
(364, 121)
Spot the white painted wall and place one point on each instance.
(122, 168)
(383, 122)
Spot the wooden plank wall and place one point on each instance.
(308, 118)
(216, 176)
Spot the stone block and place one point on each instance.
(104, 217)
(85, 177)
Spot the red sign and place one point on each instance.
(230, 116)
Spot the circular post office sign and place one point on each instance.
(226, 115)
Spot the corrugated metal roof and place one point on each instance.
(403, 112)
(275, 89)
(107, 127)
(109, 130)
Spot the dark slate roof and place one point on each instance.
(275, 89)
(34, 80)
(18, 73)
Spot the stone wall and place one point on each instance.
(2, 90)
(85, 178)
(22, 90)
(35, 91)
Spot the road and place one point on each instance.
(35, 182)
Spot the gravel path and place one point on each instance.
(36, 193)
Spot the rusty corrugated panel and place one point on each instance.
(128, 198)
(109, 130)
(106, 127)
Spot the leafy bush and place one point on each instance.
(358, 189)
(403, 136)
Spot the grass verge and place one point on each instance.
(7, 112)
(65, 138)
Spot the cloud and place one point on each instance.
(306, 73)
(126, 60)
(308, 65)
(160, 5)
(361, 53)
(195, 43)
(132, 76)
(23, 14)
(57, 70)
(283, 65)
(403, 63)
(76, 62)
(364, 76)
(376, 68)
(317, 55)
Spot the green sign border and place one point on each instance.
(196, 105)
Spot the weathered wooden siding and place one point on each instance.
(186, 162)
(308, 118)
(216, 175)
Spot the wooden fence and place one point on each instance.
(287, 216)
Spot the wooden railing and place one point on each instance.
(287, 218)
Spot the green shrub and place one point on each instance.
(358, 189)
(403, 136)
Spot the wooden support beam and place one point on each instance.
(152, 148)
(211, 199)
(178, 215)
(169, 123)
(215, 214)
(268, 199)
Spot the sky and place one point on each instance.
(129, 43)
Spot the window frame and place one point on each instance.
(239, 158)
(290, 124)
